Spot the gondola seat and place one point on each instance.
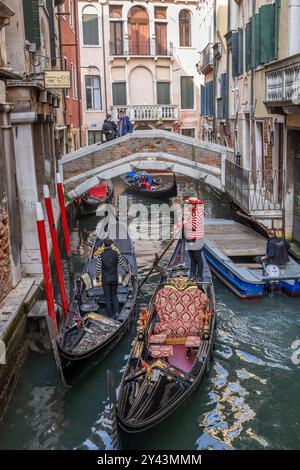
(180, 311)
(89, 308)
(158, 339)
(192, 342)
(158, 351)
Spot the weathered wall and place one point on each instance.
(5, 271)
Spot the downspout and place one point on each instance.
(214, 71)
(104, 61)
(227, 70)
(253, 149)
(78, 71)
(61, 66)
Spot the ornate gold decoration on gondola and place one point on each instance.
(182, 283)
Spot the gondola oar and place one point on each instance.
(156, 262)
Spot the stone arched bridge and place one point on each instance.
(151, 149)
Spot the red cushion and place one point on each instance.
(192, 342)
(158, 339)
(160, 350)
(180, 312)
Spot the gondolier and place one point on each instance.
(194, 234)
(107, 273)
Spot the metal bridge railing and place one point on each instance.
(259, 190)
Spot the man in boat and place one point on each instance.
(107, 272)
(194, 234)
(277, 250)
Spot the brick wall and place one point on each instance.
(102, 155)
(268, 153)
(5, 273)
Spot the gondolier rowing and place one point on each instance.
(194, 234)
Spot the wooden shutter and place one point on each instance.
(235, 54)
(187, 93)
(119, 93)
(116, 38)
(223, 93)
(240, 51)
(163, 93)
(257, 45)
(267, 31)
(32, 21)
(50, 7)
(209, 98)
(161, 38)
(203, 101)
(277, 20)
(248, 51)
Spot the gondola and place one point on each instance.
(164, 188)
(173, 347)
(89, 201)
(88, 334)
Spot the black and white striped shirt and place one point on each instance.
(108, 261)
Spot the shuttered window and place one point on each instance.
(210, 98)
(90, 29)
(163, 93)
(185, 29)
(235, 53)
(223, 93)
(187, 92)
(119, 93)
(32, 21)
(116, 38)
(248, 51)
(203, 101)
(267, 31)
(240, 51)
(52, 31)
(257, 42)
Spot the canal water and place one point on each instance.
(250, 399)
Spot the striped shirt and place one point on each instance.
(194, 227)
(121, 262)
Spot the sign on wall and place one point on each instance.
(57, 79)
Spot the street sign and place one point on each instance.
(57, 79)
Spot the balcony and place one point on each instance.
(206, 61)
(148, 48)
(283, 86)
(147, 112)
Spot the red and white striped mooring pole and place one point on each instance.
(45, 263)
(64, 221)
(56, 252)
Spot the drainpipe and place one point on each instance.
(78, 72)
(227, 70)
(214, 71)
(252, 121)
(104, 60)
(66, 147)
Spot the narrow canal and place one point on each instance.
(250, 400)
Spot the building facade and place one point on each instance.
(141, 57)
(70, 60)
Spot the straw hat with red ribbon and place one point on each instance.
(194, 200)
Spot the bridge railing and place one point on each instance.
(255, 190)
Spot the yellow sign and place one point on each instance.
(57, 79)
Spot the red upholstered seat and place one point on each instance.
(180, 312)
(160, 350)
(158, 339)
(192, 342)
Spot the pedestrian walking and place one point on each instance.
(110, 128)
(125, 126)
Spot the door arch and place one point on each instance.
(138, 31)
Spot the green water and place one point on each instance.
(250, 399)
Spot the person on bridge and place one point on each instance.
(125, 126)
(276, 250)
(194, 234)
(109, 128)
(107, 273)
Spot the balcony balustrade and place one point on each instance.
(147, 112)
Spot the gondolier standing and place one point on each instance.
(194, 234)
(107, 272)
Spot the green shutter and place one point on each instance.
(248, 45)
(187, 92)
(240, 51)
(163, 93)
(277, 20)
(119, 93)
(256, 40)
(32, 21)
(50, 7)
(235, 54)
(267, 32)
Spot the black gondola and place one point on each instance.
(88, 333)
(162, 190)
(173, 347)
(89, 201)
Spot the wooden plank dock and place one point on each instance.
(234, 239)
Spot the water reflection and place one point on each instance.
(249, 400)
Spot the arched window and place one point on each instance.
(90, 29)
(185, 29)
(138, 31)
